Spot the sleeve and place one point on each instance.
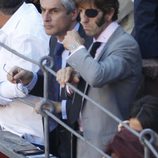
(117, 63)
(37, 90)
(63, 109)
(31, 47)
(28, 46)
(10, 90)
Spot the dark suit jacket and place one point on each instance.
(146, 27)
(73, 102)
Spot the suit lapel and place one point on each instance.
(52, 44)
(117, 33)
(75, 107)
(111, 39)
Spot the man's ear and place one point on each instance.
(75, 14)
(110, 14)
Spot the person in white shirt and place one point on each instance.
(21, 28)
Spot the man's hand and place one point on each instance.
(72, 40)
(67, 75)
(17, 74)
(52, 106)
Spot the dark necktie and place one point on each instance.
(94, 47)
(57, 65)
(58, 56)
(54, 89)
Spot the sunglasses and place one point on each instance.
(91, 13)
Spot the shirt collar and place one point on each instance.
(12, 23)
(77, 26)
(106, 34)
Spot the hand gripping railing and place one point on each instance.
(45, 111)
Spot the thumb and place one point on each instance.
(76, 79)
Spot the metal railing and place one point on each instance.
(148, 147)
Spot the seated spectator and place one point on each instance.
(144, 115)
(21, 28)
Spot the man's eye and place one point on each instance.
(54, 11)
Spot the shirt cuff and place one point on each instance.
(31, 85)
(78, 48)
(63, 110)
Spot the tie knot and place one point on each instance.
(94, 47)
(96, 44)
(59, 49)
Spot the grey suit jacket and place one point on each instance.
(114, 78)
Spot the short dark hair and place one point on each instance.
(104, 5)
(146, 111)
(10, 6)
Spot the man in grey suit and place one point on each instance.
(113, 75)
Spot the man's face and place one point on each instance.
(93, 19)
(55, 17)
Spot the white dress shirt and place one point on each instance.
(65, 55)
(105, 36)
(23, 32)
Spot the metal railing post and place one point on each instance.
(43, 62)
(147, 138)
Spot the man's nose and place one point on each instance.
(84, 18)
(46, 16)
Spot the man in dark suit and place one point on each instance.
(59, 17)
(146, 27)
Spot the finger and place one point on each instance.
(121, 124)
(10, 78)
(63, 76)
(37, 109)
(67, 75)
(14, 70)
(19, 75)
(60, 77)
(13, 74)
(76, 79)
